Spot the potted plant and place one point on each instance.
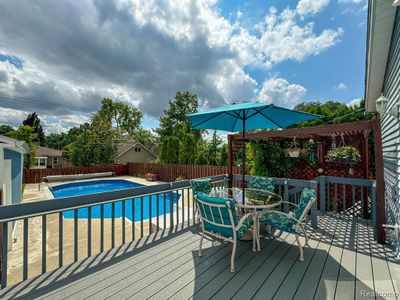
(152, 176)
(344, 155)
(180, 178)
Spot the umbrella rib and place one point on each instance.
(265, 116)
(204, 121)
(212, 117)
(272, 120)
(258, 111)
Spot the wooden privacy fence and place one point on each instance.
(36, 175)
(170, 172)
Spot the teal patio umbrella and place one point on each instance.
(248, 116)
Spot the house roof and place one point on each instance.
(13, 144)
(44, 151)
(126, 146)
(381, 16)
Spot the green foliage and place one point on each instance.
(95, 145)
(202, 152)
(214, 149)
(61, 140)
(126, 118)
(170, 150)
(33, 121)
(223, 155)
(333, 112)
(268, 158)
(6, 129)
(175, 130)
(174, 122)
(188, 149)
(27, 134)
(344, 154)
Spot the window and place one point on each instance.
(138, 149)
(55, 161)
(41, 162)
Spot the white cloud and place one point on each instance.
(354, 102)
(280, 92)
(341, 86)
(311, 7)
(282, 38)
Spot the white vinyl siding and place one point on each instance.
(391, 133)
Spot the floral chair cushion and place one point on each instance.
(306, 196)
(277, 220)
(201, 186)
(246, 225)
(262, 183)
(212, 214)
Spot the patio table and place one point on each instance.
(255, 200)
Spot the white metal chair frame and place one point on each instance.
(234, 228)
(300, 224)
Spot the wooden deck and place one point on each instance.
(342, 262)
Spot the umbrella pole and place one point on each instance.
(243, 159)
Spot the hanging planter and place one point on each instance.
(293, 150)
(344, 155)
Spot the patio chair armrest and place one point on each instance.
(291, 203)
(289, 216)
(240, 223)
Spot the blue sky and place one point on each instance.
(320, 74)
(142, 52)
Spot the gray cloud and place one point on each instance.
(76, 52)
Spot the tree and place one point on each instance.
(61, 140)
(333, 112)
(27, 134)
(126, 118)
(202, 152)
(170, 150)
(223, 155)
(174, 122)
(6, 129)
(95, 145)
(213, 149)
(33, 121)
(188, 149)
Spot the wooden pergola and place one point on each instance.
(359, 129)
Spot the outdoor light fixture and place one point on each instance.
(382, 104)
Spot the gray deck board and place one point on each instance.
(310, 280)
(292, 280)
(342, 261)
(364, 272)
(345, 285)
(327, 283)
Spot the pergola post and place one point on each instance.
(365, 168)
(230, 160)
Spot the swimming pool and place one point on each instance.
(99, 186)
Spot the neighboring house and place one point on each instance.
(47, 158)
(383, 78)
(133, 152)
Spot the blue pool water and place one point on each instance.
(99, 186)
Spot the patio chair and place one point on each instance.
(219, 220)
(294, 221)
(201, 186)
(262, 183)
